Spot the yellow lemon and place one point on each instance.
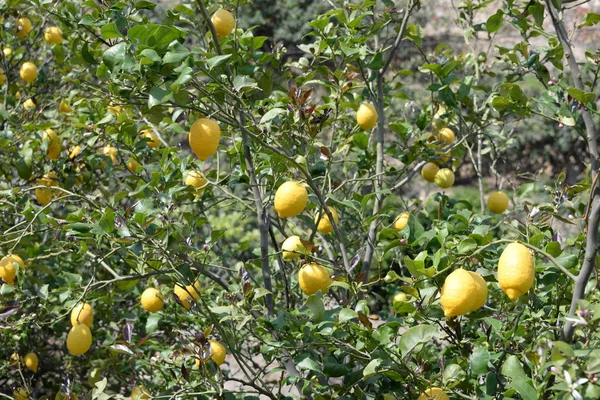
(21, 394)
(434, 393)
(7, 51)
(366, 116)
(196, 179)
(14, 359)
(23, 27)
(152, 300)
(223, 21)
(446, 135)
(111, 152)
(43, 195)
(16, 259)
(31, 361)
(187, 295)
(401, 221)
(116, 110)
(516, 272)
(461, 293)
(53, 35)
(28, 72)
(204, 138)
(82, 314)
(153, 140)
(217, 353)
(54, 147)
(70, 396)
(442, 158)
(324, 225)
(2, 76)
(429, 170)
(74, 152)
(444, 178)
(290, 199)
(64, 107)
(79, 339)
(399, 297)
(29, 104)
(140, 393)
(132, 165)
(8, 272)
(293, 248)
(497, 202)
(482, 290)
(313, 277)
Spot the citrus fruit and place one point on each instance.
(482, 290)
(324, 224)
(53, 35)
(29, 104)
(462, 292)
(23, 27)
(223, 21)
(2, 76)
(399, 297)
(366, 116)
(54, 146)
(64, 107)
(111, 152)
(79, 339)
(21, 394)
(446, 135)
(153, 140)
(74, 151)
(132, 165)
(82, 314)
(196, 179)
(152, 300)
(31, 361)
(498, 202)
(444, 178)
(293, 248)
(434, 393)
(429, 170)
(401, 221)
(441, 157)
(7, 51)
(70, 396)
(113, 109)
(44, 195)
(290, 199)
(187, 295)
(28, 72)
(204, 138)
(313, 277)
(217, 353)
(8, 271)
(515, 270)
(140, 393)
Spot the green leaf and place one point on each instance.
(107, 222)
(479, 361)
(215, 61)
(158, 37)
(453, 374)
(177, 53)
(467, 245)
(513, 369)
(114, 56)
(184, 77)
(553, 248)
(347, 314)
(110, 31)
(158, 96)
(581, 96)
(315, 304)
(416, 335)
(494, 22)
(273, 114)
(242, 81)
(86, 55)
(590, 19)
(310, 364)
(537, 10)
(371, 368)
(152, 323)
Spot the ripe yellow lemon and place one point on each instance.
(313, 277)
(140, 393)
(399, 297)
(461, 293)
(132, 165)
(188, 294)
(31, 361)
(28, 72)
(223, 21)
(516, 272)
(116, 110)
(21, 394)
(8, 272)
(43, 195)
(196, 179)
(444, 178)
(446, 135)
(2, 76)
(204, 138)
(23, 27)
(366, 116)
(429, 170)
(13, 258)
(79, 339)
(498, 202)
(293, 248)
(434, 393)
(111, 152)
(290, 199)
(7, 51)
(82, 314)
(29, 104)
(74, 152)
(153, 140)
(53, 35)
(217, 353)
(152, 300)
(64, 107)
(324, 225)
(401, 221)
(482, 290)
(54, 146)
(441, 157)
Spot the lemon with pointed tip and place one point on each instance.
(401, 221)
(74, 151)
(79, 339)
(293, 248)
(29, 104)
(64, 107)
(461, 293)
(21, 394)
(153, 140)
(196, 180)
(187, 294)
(498, 202)
(140, 393)
(28, 72)
(434, 393)
(23, 27)
(429, 170)
(132, 165)
(516, 272)
(8, 272)
(446, 135)
(366, 116)
(83, 313)
(444, 178)
(217, 353)
(482, 290)
(204, 138)
(152, 300)
(54, 146)
(53, 35)
(324, 224)
(313, 277)
(223, 22)
(290, 199)
(31, 361)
